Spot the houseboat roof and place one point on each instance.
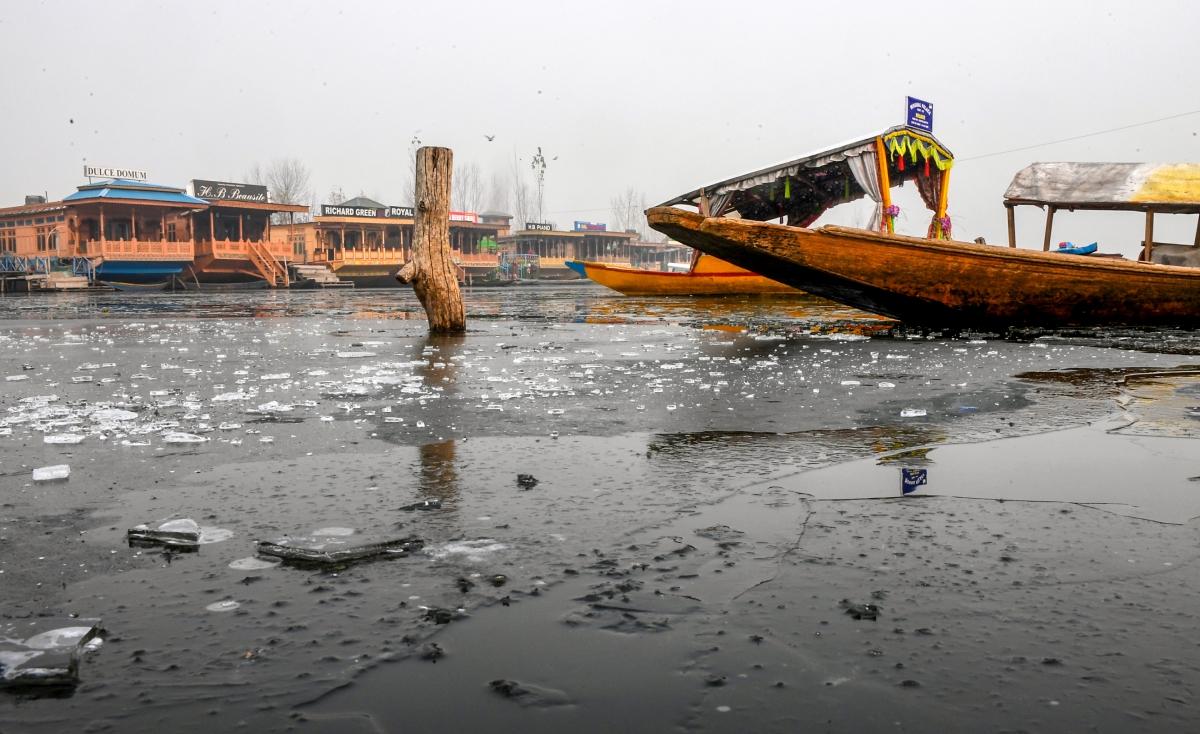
(25, 209)
(262, 206)
(1167, 187)
(566, 233)
(363, 202)
(127, 190)
(822, 179)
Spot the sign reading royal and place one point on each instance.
(225, 191)
(539, 226)
(400, 212)
(919, 115)
(132, 174)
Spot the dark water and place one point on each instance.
(714, 478)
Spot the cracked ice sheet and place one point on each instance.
(1140, 476)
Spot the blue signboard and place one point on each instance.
(910, 479)
(919, 115)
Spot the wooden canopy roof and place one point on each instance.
(1164, 187)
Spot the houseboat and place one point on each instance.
(130, 234)
(233, 236)
(366, 242)
(554, 247)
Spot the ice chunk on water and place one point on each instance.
(182, 525)
(52, 473)
(252, 564)
(912, 413)
(113, 414)
(299, 551)
(334, 531)
(63, 438)
(44, 651)
(475, 551)
(180, 437)
(181, 534)
(355, 355)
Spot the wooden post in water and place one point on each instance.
(432, 270)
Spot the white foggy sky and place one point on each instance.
(660, 96)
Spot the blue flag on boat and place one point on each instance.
(910, 479)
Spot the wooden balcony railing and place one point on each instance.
(356, 256)
(136, 250)
(240, 249)
(476, 258)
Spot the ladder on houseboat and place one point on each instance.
(271, 268)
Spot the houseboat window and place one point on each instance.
(171, 232)
(118, 230)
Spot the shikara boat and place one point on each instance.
(938, 282)
(705, 276)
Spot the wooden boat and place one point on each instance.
(943, 283)
(938, 282)
(705, 276)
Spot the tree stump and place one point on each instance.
(432, 270)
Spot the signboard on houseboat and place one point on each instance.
(132, 174)
(590, 227)
(919, 115)
(226, 191)
(464, 217)
(539, 226)
(335, 210)
(400, 212)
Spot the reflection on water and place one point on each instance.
(438, 477)
(1163, 403)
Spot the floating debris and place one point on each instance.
(860, 611)
(252, 564)
(44, 652)
(179, 437)
(424, 505)
(529, 695)
(182, 534)
(225, 605)
(324, 553)
(68, 439)
(526, 481)
(55, 473)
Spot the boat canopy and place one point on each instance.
(1162, 187)
(801, 190)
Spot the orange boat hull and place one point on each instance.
(709, 277)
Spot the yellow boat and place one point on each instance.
(705, 276)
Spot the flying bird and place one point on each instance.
(490, 137)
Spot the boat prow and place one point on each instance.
(707, 276)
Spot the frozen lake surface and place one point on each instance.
(718, 482)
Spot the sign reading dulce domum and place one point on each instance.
(131, 174)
